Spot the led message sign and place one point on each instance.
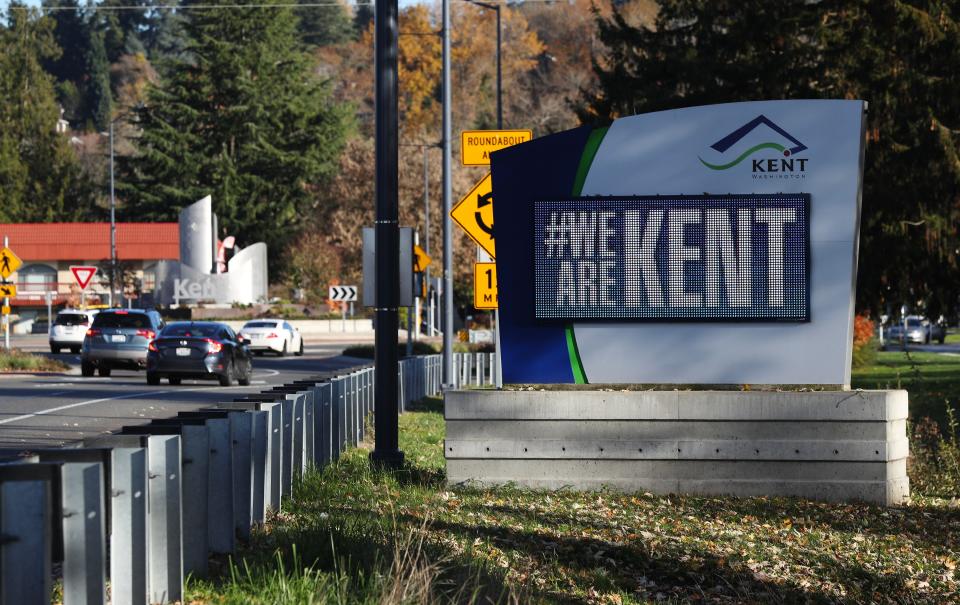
(689, 258)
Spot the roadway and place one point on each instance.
(54, 410)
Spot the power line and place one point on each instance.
(184, 7)
(176, 7)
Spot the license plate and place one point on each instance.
(118, 338)
(183, 351)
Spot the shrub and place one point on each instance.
(864, 344)
(935, 457)
(366, 351)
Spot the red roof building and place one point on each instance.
(49, 249)
(91, 241)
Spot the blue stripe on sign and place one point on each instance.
(543, 168)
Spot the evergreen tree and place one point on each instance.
(362, 18)
(246, 121)
(324, 25)
(97, 84)
(40, 178)
(70, 34)
(124, 30)
(900, 56)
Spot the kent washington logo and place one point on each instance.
(786, 166)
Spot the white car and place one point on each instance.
(274, 335)
(69, 328)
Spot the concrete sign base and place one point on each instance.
(827, 445)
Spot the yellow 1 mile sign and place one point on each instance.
(485, 286)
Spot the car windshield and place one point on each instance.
(913, 323)
(71, 319)
(121, 320)
(190, 331)
(261, 324)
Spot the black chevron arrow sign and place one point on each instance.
(343, 293)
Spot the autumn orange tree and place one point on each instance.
(547, 53)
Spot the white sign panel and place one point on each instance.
(813, 148)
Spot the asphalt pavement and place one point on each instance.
(56, 410)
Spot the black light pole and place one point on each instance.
(386, 451)
(495, 7)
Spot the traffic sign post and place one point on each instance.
(477, 145)
(343, 294)
(421, 260)
(474, 214)
(485, 286)
(9, 263)
(84, 275)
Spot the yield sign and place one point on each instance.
(83, 274)
(474, 213)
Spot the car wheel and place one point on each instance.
(105, 372)
(54, 350)
(87, 369)
(153, 378)
(300, 350)
(226, 379)
(75, 350)
(244, 379)
(173, 381)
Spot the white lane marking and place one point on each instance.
(270, 373)
(103, 399)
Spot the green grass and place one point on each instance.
(357, 536)
(16, 360)
(931, 379)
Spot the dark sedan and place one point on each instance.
(201, 350)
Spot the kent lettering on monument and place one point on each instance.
(691, 258)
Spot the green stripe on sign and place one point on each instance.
(579, 376)
(586, 160)
(742, 156)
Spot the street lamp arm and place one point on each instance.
(495, 7)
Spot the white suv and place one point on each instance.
(69, 328)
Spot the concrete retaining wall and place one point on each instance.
(310, 327)
(836, 445)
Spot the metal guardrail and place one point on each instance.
(147, 505)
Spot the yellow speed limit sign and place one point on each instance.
(485, 286)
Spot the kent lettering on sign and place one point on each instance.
(693, 258)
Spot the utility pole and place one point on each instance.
(386, 451)
(498, 370)
(426, 228)
(447, 207)
(113, 226)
